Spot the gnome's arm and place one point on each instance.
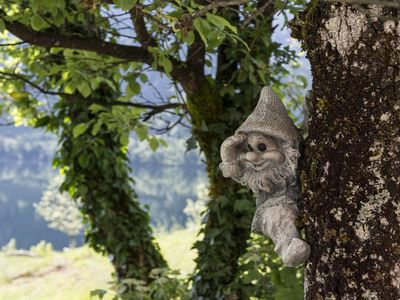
(230, 150)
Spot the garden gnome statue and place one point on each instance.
(262, 154)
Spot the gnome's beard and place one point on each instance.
(269, 177)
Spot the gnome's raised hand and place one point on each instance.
(230, 152)
(263, 155)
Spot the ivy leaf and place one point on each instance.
(242, 205)
(37, 22)
(79, 129)
(191, 143)
(83, 160)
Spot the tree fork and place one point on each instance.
(351, 169)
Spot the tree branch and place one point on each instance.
(54, 38)
(217, 4)
(260, 11)
(139, 24)
(154, 109)
(149, 106)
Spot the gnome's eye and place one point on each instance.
(261, 147)
(249, 147)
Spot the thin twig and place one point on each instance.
(259, 12)
(217, 4)
(34, 85)
(12, 44)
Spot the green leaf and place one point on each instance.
(133, 88)
(83, 160)
(100, 293)
(220, 22)
(96, 108)
(191, 143)
(83, 190)
(202, 28)
(79, 129)
(250, 276)
(37, 22)
(143, 78)
(242, 76)
(166, 64)
(188, 38)
(141, 132)
(124, 140)
(153, 142)
(242, 205)
(70, 87)
(84, 88)
(163, 143)
(215, 39)
(2, 25)
(125, 4)
(96, 128)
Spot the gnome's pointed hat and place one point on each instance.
(270, 118)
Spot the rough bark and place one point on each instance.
(351, 170)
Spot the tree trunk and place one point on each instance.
(351, 170)
(230, 208)
(97, 171)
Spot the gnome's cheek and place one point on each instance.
(275, 156)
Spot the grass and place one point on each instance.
(176, 248)
(73, 273)
(66, 275)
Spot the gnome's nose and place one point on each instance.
(251, 156)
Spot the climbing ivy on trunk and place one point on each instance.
(93, 157)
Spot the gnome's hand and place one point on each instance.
(232, 146)
(231, 169)
(230, 150)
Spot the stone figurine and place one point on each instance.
(262, 154)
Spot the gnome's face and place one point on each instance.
(263, 160)
(262, 152)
